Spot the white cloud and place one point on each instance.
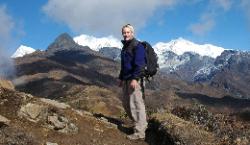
(245, 4)
(225, 4)
(205, 25)
(6, 27)
(207, 20)
(103, 17)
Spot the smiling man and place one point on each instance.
(133, 61)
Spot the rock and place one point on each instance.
(34, 112)
(82, 113)
(61, 124)
(185, 132)
(107, 123)
(70, 128)
(6, 84)
(50, 143)
(25, 96)
(55, 103)
(4, 121)
(56, 123)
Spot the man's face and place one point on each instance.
(127, 34)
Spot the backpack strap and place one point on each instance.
(142, 87)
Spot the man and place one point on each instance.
(133, 61)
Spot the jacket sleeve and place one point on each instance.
(139, 61)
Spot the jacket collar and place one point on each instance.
(124, 42)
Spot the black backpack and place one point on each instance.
(152, 65)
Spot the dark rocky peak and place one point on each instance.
(189, 53)
(169, 55)
(224, 57)
(111, 52)
(63, 41)
(240, 62)
(232, 57)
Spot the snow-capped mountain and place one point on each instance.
(179, 59)
(23, 50)
(180, 46)
(97, 43)
(177, 56)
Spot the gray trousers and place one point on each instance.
(134, 106)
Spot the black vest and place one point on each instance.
(129, 45)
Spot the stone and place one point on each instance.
(61, 124)
(50, 143)
(54, 121)
(55, 103)
(6, 84)
(4, 121)
(33, 112)
(70, 128)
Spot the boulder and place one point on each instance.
(6, 84)
(34, 112)
(4, 121)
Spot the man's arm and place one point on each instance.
(139, 61)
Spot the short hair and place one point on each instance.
(130, 27)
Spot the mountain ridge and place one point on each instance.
(87, 81)
(190, 67)
(178, 46)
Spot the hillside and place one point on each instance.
(179, 112)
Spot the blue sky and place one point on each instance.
(36, 23)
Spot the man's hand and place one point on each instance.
(133, 84)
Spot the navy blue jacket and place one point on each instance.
(133, 60)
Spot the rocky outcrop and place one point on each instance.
(6, 84)
(233, 74)
(55, 103)
(4, 121)
(61, 124)
(33, 112)
(175, 130)
(28, 120)
(43, 113)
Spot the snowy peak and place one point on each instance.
(97, 43)
(180, 46)
(23, 50)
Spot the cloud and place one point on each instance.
(245, 4)
(207, 19)
(103, 17)
(205, 25)
(6, 26)
(225, 4)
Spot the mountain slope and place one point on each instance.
(66, 60)
(233, 73)
(29, 120)
(63, 65)
(86, 80)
